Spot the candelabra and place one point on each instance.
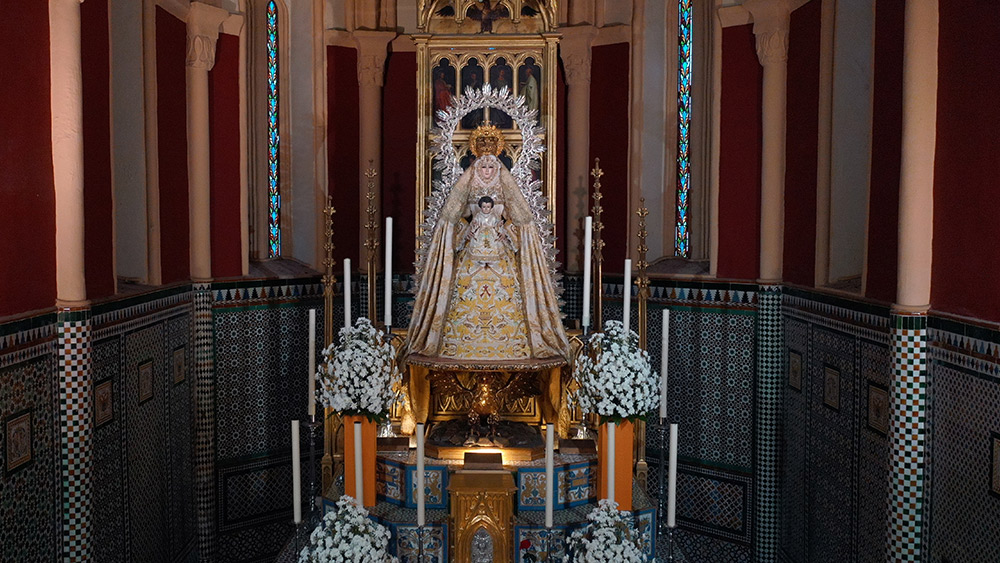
(642, 281)
(598, 247)
(329, 286)
(372, 243)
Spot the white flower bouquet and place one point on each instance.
(610, 536)
(347, 535)
(614, 375)
(358, 375)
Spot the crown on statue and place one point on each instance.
(487, 139)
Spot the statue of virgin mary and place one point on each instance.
(486, 292)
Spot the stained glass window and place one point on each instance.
(682, 238)
(273, 192)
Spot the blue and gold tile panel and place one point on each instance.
(389, 481)
(435, 486)
(406, 543)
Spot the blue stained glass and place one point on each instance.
(682, 239)
(273, 193)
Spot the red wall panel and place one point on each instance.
(342, 145)
(224, 100)
(399, 156)
(27, 192)
(97, 188)
(966, 270)
(740, 159)
(887, 132)
(802, 107)
(171, 114)
(609, 135)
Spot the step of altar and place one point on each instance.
(575, 474)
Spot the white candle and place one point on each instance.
(296, 475)
(359, 483)
(611, 460)
(388, 272)
(549, 473)
(347, 292)
(664, 363)
(672, 479)
(312, 363)
(420, 475)
(627, 297)
(588, 226)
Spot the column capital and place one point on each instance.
(574, 50)
(203, 24)
(770, 26)
(371, 55)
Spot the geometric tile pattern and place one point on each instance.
(715, 502)
(108, 509)
(254, 493)
(908, 438)
(770, 384)
(204, 419)
(73, 361)
(834, 468)
(965, 520)
(30, 498)
(696, 547)
(407, 546)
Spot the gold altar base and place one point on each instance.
(509, 453)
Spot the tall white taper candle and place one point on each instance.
(296, 475)
(359, 481)
(627, 297)
(664, 363)
(312, 363)
(611, 460)
(672, 479)
(387, 301)
(588, 227)
(421, 517)
(549, 473)
(347, 292)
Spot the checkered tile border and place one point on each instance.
(908, 438)
(73, 348)
(204, 442)
(770, 379)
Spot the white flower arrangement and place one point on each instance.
(347, 535)
(359, 376)
(615, 378)
(610, 536)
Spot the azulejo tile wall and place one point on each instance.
(965, 421)
(30, 491)
(834, 471)
(712, 395)
(260, 332)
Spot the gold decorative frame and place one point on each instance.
(458, 50)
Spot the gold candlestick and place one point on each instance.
(598, 247)
(642, 281)
(372, 243)
(329, 283)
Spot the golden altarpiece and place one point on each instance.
(486, 355)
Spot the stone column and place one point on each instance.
(371, 70)
(905, 537)
(203, 26)
(575, 53)
(73, 318)
(202, 32)
(67, 149)
(770, 27)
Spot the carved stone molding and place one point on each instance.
(574, 50)
(772, 47)
(201, 51)
(203, 25)
(371, 56)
